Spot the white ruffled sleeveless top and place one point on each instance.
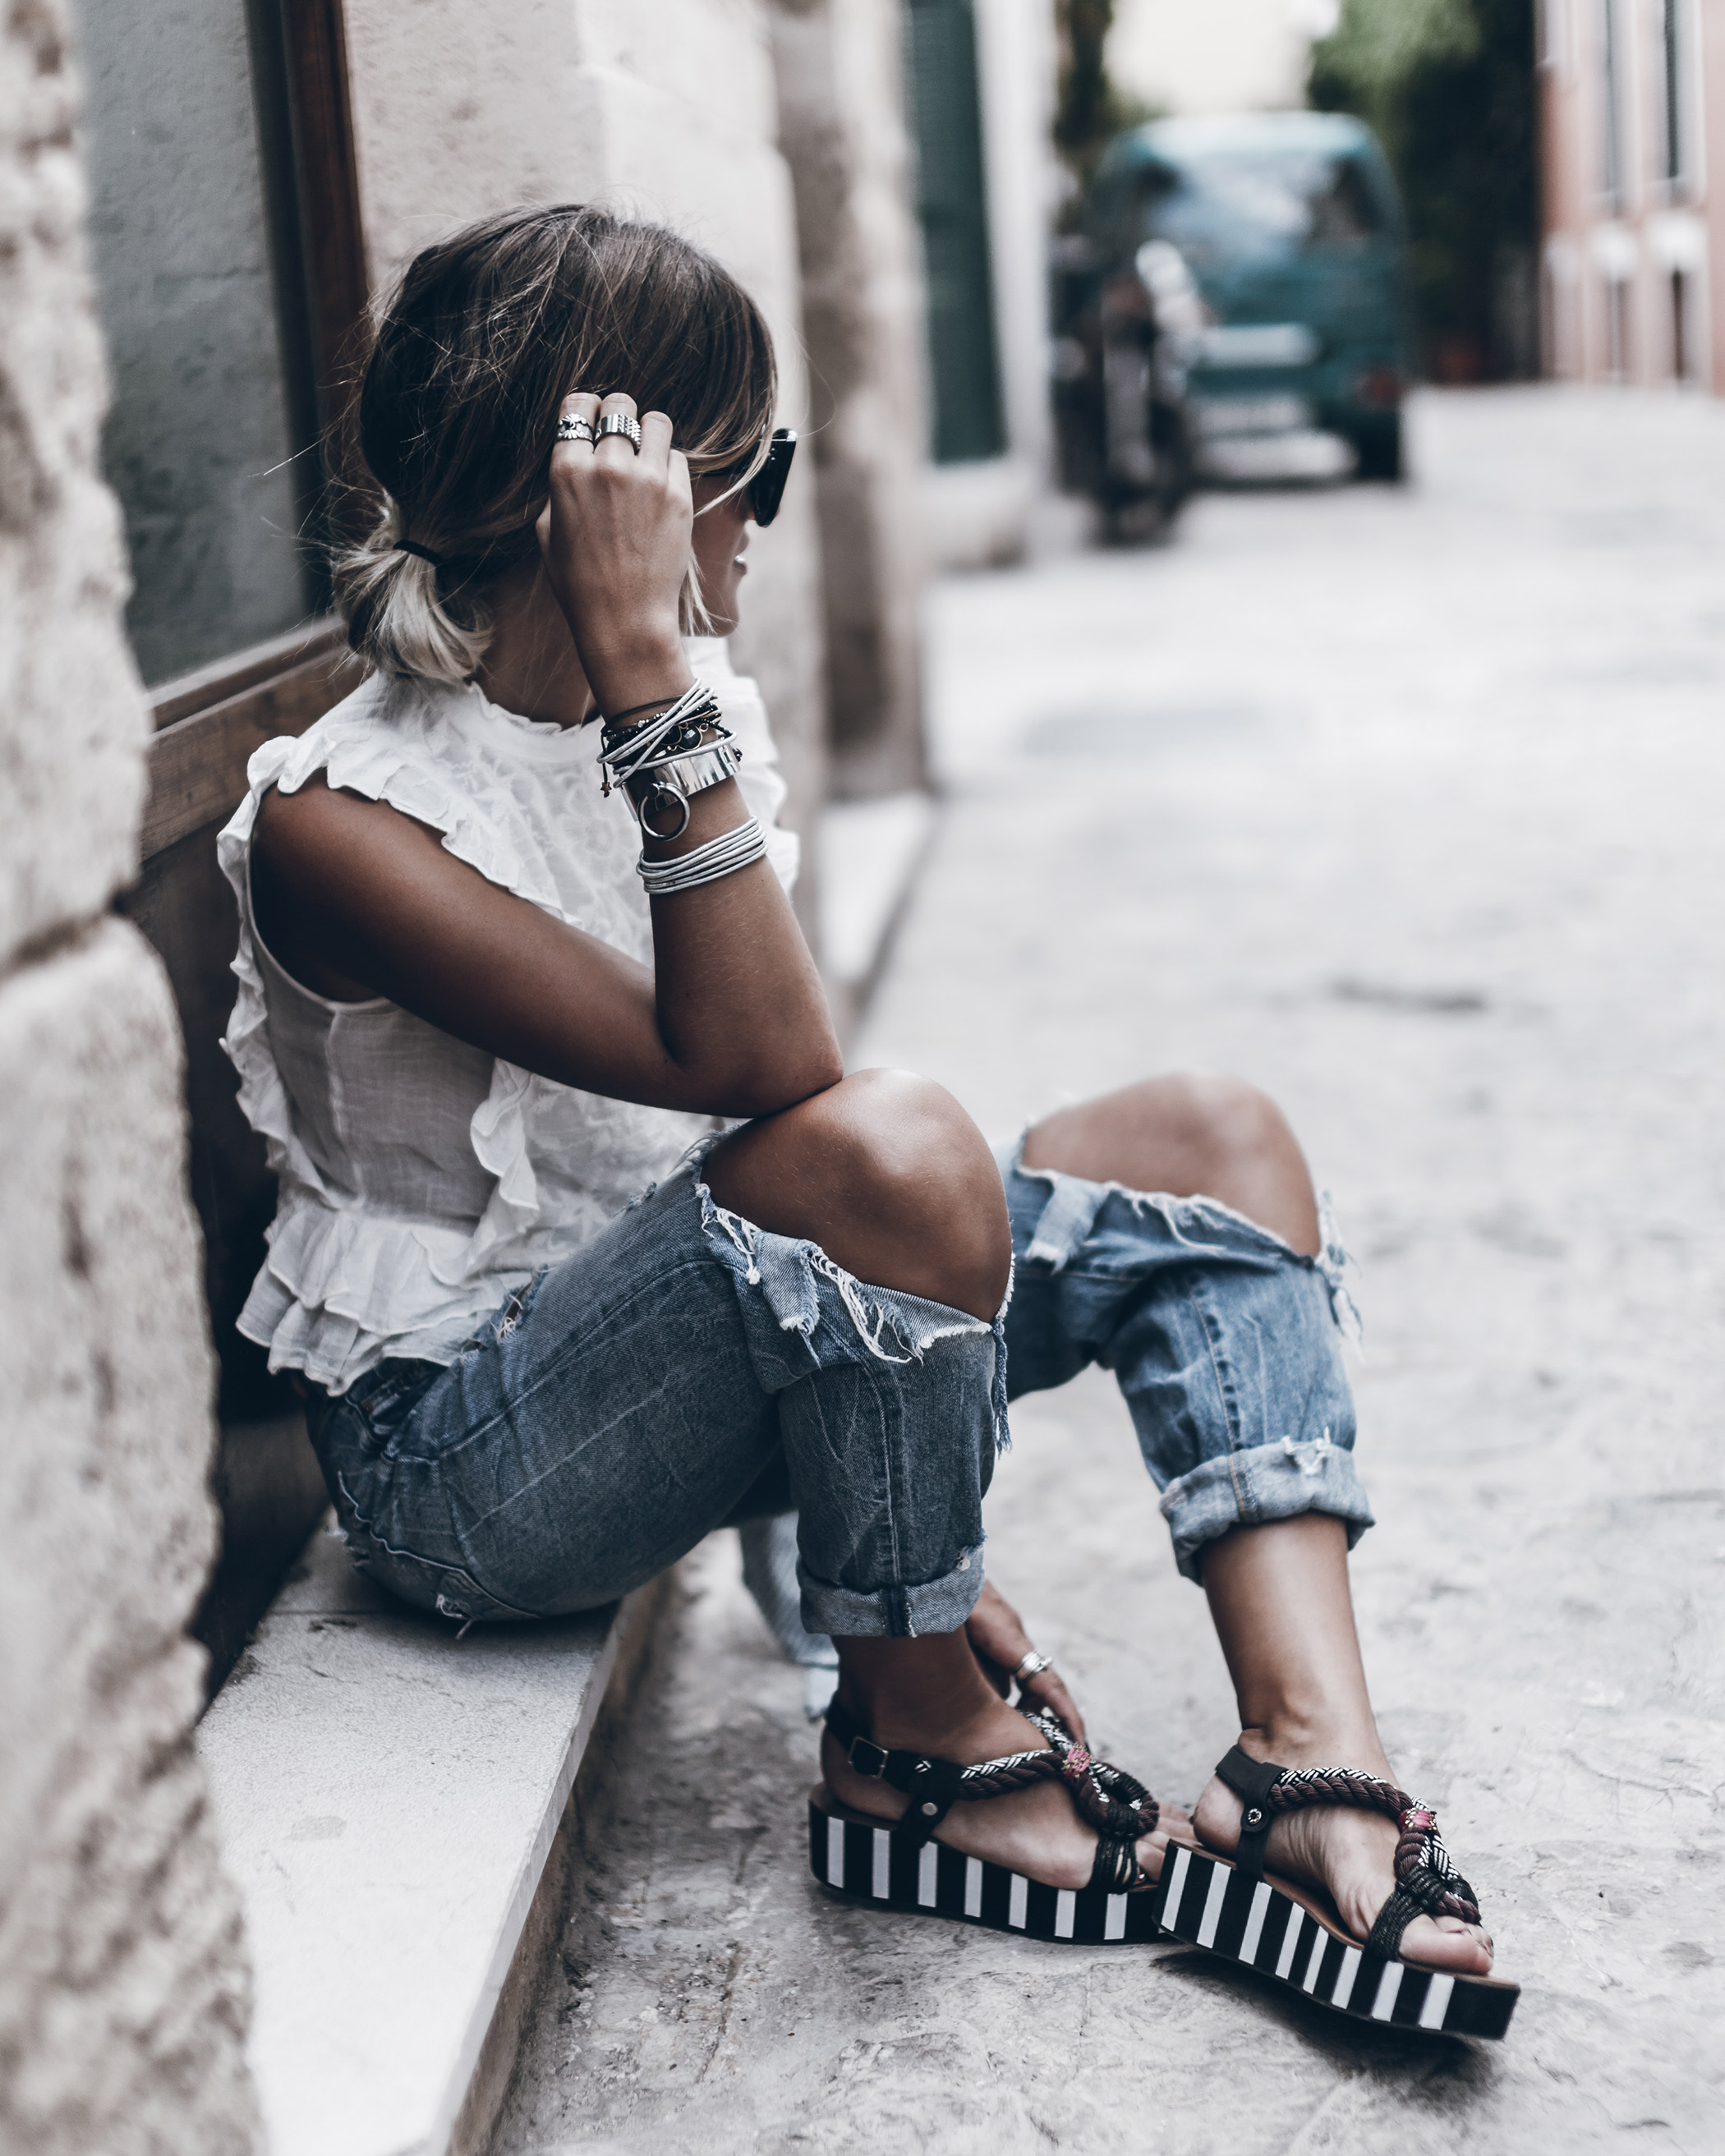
(422, 1181)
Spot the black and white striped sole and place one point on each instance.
(876, 1864)
(1208, 1903)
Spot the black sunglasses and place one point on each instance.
(766, 490)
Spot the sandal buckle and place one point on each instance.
(875, 1772)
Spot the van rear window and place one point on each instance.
(1268, 202)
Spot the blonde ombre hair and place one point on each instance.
(485, 334)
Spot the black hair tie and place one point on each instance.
(425, 553)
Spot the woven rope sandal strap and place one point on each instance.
(1427, 1883)
(1117, 1806)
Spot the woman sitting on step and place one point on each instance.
(585, 1244)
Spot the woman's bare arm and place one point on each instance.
(355, 898)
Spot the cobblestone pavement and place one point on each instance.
(1409, 806)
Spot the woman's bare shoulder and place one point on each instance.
(317, 825)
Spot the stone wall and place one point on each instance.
(123, 1992)
(666, 110)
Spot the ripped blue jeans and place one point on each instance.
(683, 1368)
(1226, 1345)
(1225, 1341)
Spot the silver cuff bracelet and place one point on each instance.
(671, 786)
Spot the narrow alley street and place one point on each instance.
(1407, 805)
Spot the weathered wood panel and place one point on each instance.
(198, 760)
(210, 724)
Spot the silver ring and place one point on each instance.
(573, 428)
(619, 423)
(1033, 1666)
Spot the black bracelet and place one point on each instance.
(652, 704)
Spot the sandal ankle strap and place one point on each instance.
(934, 1785)
(1105, 1797)
(1251, 1781)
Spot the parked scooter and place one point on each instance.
(1125, 337)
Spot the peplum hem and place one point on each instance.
(342, 1290)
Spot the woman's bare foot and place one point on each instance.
(1350, 1854)
(1036, 1831)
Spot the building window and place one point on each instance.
(953, 206)
(1674, 42)
(216, 300)
(1561, 312)
(1618, 291)
(1611, 173)
(1682, 364)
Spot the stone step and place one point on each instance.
(870, 852)
(387, 1799)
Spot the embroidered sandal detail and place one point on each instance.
(1231, 1908)
(898, 1862)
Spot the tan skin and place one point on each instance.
(884, 1169)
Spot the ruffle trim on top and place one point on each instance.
(499, 1131)
(343, 1286)
(263, 1096)
(341, 1290)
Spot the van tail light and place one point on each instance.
(1381, 388)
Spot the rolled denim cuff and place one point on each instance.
(892, 1613)
(1266, 1482)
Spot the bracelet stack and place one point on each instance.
(659, 760)
(722, 856)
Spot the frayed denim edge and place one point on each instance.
(1332, 1263)
(915, 1324)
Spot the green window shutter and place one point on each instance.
(952, 203)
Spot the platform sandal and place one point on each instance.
(898, 1865)
(1231, 1909)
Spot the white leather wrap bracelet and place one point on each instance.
(722, 856)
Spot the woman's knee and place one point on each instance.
(1231, 1124)
(889, 1176)
(1192, 1133)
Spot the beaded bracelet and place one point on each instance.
(661, 761)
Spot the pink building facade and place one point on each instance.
(1632, 156)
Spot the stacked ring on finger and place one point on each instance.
(1033, 1666)
(571, 427)
(619, 423)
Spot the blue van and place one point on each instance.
(1290, 225)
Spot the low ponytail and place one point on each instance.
(398, 620)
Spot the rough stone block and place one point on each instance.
(72, 720)
(123, 1993)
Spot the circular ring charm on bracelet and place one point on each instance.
(661, 792)
(571, 427)
(619, 423)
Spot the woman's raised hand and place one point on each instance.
(614, 537)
